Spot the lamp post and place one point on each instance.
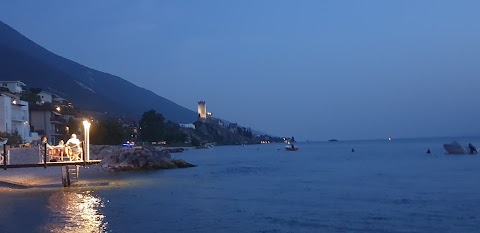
(86, 125)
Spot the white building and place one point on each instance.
(14, 117)
(13, 86)
(46, 97)
(6, 113)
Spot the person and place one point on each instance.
(428, 151)
(45, 143)
(353, 150)
(44, 147)
(3, 141)
(72, 147)
(61, 143)
(73, 141)
(293, 147)
(473, 150)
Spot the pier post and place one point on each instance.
(68, 175)
(83, 155)
(4, 156)
(45, 155)
(63, 170)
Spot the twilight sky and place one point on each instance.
(312, 69)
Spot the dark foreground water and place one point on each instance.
(384, 186)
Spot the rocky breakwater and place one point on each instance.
(118, 158)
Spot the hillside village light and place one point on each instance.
(58, 109)
(86, 125)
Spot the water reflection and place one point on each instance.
(76, 211)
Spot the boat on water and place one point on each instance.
(288, 148)
(291, 147)
(456, 148)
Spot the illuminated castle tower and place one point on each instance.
(202, 110)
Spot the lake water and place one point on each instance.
(384, 186)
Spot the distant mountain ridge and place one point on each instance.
(24, 60)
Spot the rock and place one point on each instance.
(173, 150)
(120, 158)
(165, 165)
(142, 162)
(182, 163)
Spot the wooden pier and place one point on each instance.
(52, 164)
(70, 169)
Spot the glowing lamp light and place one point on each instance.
(58, 109)
(86, 125)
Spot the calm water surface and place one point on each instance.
(324, 187)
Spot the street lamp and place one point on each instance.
(86, 125)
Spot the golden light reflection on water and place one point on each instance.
(76, 211)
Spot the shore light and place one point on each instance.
(86, 125)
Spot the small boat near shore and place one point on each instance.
(291, 149)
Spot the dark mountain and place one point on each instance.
(89, 89)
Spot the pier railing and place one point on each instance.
(44, 159)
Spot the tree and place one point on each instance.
(195, 142)
(152, 126)
(108, 132)
(239, 131)
(175, 136)
(173, 133)
(31, 96)
(248, 133)
(74, 125)
(13, 138)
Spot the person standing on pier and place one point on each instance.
(45, 142)
(44, 148)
